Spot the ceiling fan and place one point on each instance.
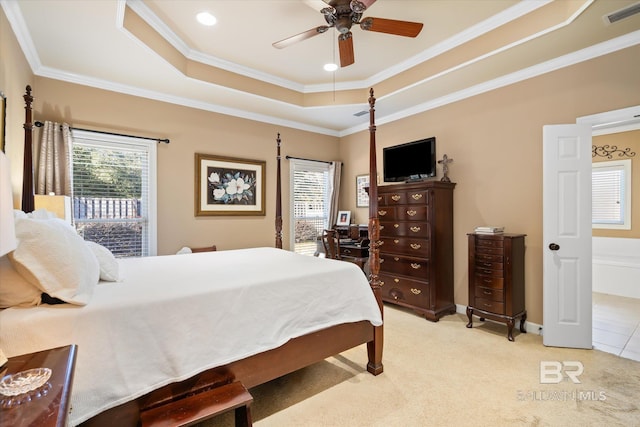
(341, 15)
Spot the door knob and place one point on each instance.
(554, 246)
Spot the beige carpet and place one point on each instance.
(443, 374)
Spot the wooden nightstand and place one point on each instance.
(52, 408)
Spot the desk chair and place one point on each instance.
(331, 244)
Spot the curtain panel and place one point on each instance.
(53, 160)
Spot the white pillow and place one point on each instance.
(109, 269)
(54, 258)
(15, 290)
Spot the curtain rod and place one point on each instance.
(166, 140)
(308, 160)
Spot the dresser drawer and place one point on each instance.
(403, 213)
(488, 305)
(489, 282)
(489, 257)
(402, 265)
(401, 228)
(403, 198)
(489, 272)
(488, 250)
(489, 293)
(404, 290)
(405, 246)
(489, 264)
(488, 243)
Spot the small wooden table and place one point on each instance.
(52, 408)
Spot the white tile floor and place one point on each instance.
(616, 325)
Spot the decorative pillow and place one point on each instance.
(109, 269)
(15, 290)
(54, 258)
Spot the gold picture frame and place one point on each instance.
(229, 186)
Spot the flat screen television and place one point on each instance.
(412, 161)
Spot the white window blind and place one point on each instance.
(309, 203)
(611, 194)
(114, 192)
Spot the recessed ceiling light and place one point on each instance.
(205, 18)
(330, 67)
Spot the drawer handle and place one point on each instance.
(487, 264)
(381, 260)
(381, 283)
(415, 229)
(382, 227)
(346, 251)
(416, 196)
(396, 241)
(396, 280)
(415, 265)
(382, 213)
(487, 305)
(487, 280)
(415, 291)
(380, 242)
(396, 197)
(395, 258)
(487, 292)
(396, 225)
(412, 212)
(415, 246)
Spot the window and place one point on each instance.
(611, 194)
(310, 200)
(114, 192)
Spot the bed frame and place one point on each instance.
(263, 367)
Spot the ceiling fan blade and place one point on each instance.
(345, 46)
(300, 37)
(391, 26)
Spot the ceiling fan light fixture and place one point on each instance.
(205, 18)
(330, 67)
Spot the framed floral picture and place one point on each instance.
(229, 186)
(362, 197)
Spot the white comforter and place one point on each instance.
(171, 317)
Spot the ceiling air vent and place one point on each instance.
(622, 13)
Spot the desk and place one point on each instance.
(354, 253)
(52, 408)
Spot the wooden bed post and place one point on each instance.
(27, 159)
(374, 348)
(278, 197)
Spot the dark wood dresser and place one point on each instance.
(496, 279)
(416, 246)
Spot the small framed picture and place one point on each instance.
(362, 197)
(344, 218)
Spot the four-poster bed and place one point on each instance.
(300, 351)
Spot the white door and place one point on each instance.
(566, 243)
